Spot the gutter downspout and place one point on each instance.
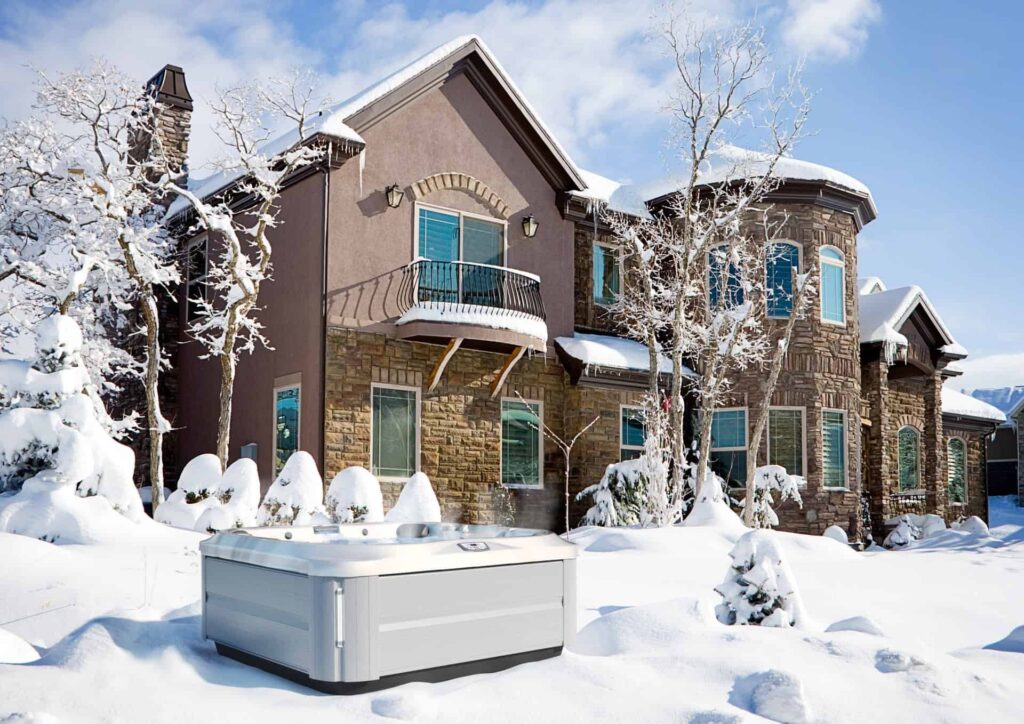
(323, 313)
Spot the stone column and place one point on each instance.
(876, 476)
(934, 447)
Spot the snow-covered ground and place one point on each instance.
(116, 628)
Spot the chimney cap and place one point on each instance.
(168, 86)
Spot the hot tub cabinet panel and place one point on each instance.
(357, 633)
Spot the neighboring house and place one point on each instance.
(453, 259)
(1002, 446)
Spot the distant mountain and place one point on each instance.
(1002, 397)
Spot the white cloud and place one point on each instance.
(833, 29)
(997, 370)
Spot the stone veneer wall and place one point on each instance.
(460, 425)
(977, 491)
(589, 315)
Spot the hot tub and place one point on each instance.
(357, 607)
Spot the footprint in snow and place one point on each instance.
(889, 661)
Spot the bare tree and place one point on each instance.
(246, 118)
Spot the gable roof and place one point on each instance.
(870, 285)
(345, 120)
(883, 313)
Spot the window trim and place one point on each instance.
(803, 436)
(540, 447)
(616, 251)
(841, 263)
(745, 448)
(622, 442)
(417, 462)
(799, 266)
(273, 428)
(846, 449)
(461, 214)
(899, 473)
(963, 442)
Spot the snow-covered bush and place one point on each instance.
(768, 478)
(619, 496)
(973, 525)
(297, 494)
(759, 590)
(416, 503)
(50, 435)
(837, 534)
(234, 502)
(197, 483)
(354, 497)
(903, 534)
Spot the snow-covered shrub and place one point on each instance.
(504, 504)
(296, 495)
(235, 500)
(903, 534)
(354, 497)
(619, 496)
(837, 534)
(973, 525)
(50, 434)
(759, 590)
(416, 503)
(197, 483)
(768, 478)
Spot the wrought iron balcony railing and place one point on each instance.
(465, 287)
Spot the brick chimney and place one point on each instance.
(174, 120)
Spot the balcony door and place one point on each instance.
(458, 243)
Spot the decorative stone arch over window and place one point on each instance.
(462, 182)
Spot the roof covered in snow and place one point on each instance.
(870, 285)
(336, 121)
(882, 313)
(957, 403)
(610, 351)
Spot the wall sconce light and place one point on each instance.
(394, 195)
(530, 226)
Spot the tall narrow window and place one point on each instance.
(606, 274)
(723, 273)
(287, 413)
(631, 432)
(833, 285)
(956, 470)
(783, 258)
(909, 443)
(729, 445)
(833, 437)
(786, 439)
(197, 273)
(395, 431)
(521, 444)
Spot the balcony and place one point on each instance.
(483, 306)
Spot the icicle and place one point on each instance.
(362, 167)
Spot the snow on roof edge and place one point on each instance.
(893, 314)
(611, 351)
(957, 403)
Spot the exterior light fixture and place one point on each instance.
(394, 195)
(530, 226)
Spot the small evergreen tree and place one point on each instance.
(758, 590)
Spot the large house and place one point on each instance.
(447, 261)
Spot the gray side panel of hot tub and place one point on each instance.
(426, 620)
(259, 611)
(569, 598)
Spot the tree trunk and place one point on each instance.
(227, 384)
(154, 415)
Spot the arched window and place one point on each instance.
(833, 285)
(722, 272)
(909, 458)
(956, 470)
(783, 258)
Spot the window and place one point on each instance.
(786, 438)
(956, 470)
(197, 271)
(631, 432)
(606, 274)
(521, 444)
(909, 458)
(783, 258)
(717, 259)
(394, 435)
(833, 437)
(287, 409)
(454, 236)
(729, 444)
(833, 285)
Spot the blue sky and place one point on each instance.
(921, 101)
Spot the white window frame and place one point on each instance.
(846, 448)
(273, 423)
(461, 214)
(920, 468)
(202, 281)
(746, 434)
(803, 436)
(841, 263)
(540, 447)
(416, 466)
(616, 251)
(963, 442)
(622, 442)
(799, 266)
